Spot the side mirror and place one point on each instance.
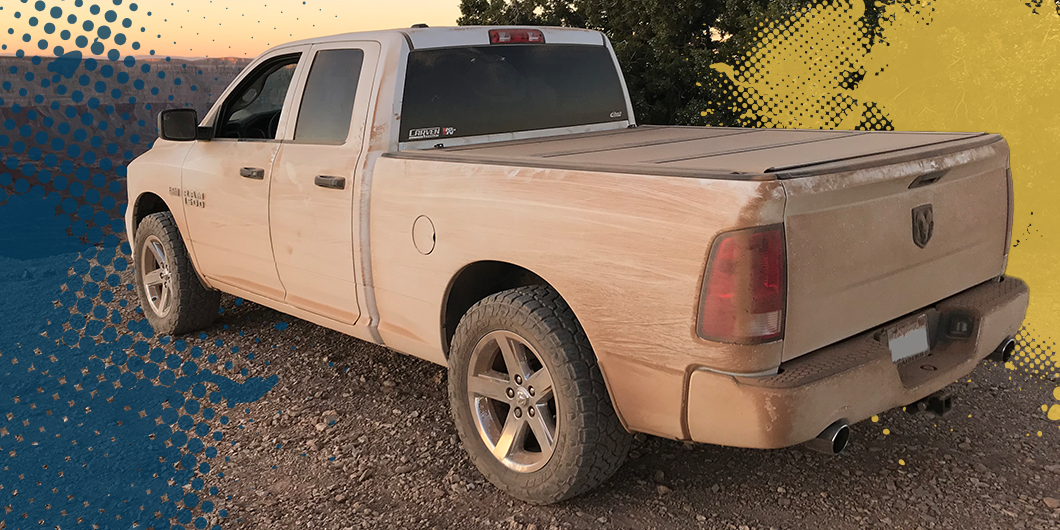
(178, 125)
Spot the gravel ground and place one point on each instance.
(366, 442)
(358, 436)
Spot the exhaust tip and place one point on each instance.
(1004, 351)
(833, 440)
(841, 439)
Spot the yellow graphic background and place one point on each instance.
(943, 65)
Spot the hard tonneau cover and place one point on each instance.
(709, 152)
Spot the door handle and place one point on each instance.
(335, 183)
(255, 173)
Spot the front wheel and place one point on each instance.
(171, 295)
(529, 400)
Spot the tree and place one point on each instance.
(519, 13)
(665, 47)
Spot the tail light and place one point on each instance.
(744, 287)
(516, 36)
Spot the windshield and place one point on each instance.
(478, 90)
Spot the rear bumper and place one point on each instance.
(853, 379)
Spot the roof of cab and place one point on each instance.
(443, 37)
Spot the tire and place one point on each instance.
(589, 441)
(187, 304)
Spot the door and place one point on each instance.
(315, 181)
(226, 180)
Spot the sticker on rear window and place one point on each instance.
(423, 134)
(431, 132)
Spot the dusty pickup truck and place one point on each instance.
(482, 198)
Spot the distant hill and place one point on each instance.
(57, 110)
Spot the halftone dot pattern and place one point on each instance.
(1036, 355)
(95, 396)
(1040, 357)
(201, 28)
(821, 66)
(802, 70)
(874, 119)
(1053, 412)
(97, 107)
(107, 424)
(89, 368)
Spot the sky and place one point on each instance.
(202, 28)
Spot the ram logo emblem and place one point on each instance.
(923, 225)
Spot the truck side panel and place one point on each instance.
(628, 255)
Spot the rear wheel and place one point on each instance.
(529, 400)
(171, 295)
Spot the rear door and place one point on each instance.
(866, 246)
(316, 179)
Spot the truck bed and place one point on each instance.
(850, 203)
(707, 152)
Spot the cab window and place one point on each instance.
(327, 102)
(252, 111)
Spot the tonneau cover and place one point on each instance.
(712, 152)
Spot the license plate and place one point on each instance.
(908, 339)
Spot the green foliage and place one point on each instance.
(665, 46)
(519, 13)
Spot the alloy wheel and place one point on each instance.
(158, 283)
(512, 401)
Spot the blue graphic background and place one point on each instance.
(101, 422)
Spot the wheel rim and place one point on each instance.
(512, 400)
(154, 267)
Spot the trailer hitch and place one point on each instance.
(937, 403)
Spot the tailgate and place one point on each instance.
(867, 245)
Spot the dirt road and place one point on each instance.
(357, 436)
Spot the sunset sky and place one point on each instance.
(196, 28)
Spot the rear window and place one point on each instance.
(471, 91)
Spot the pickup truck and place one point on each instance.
(482, 198)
